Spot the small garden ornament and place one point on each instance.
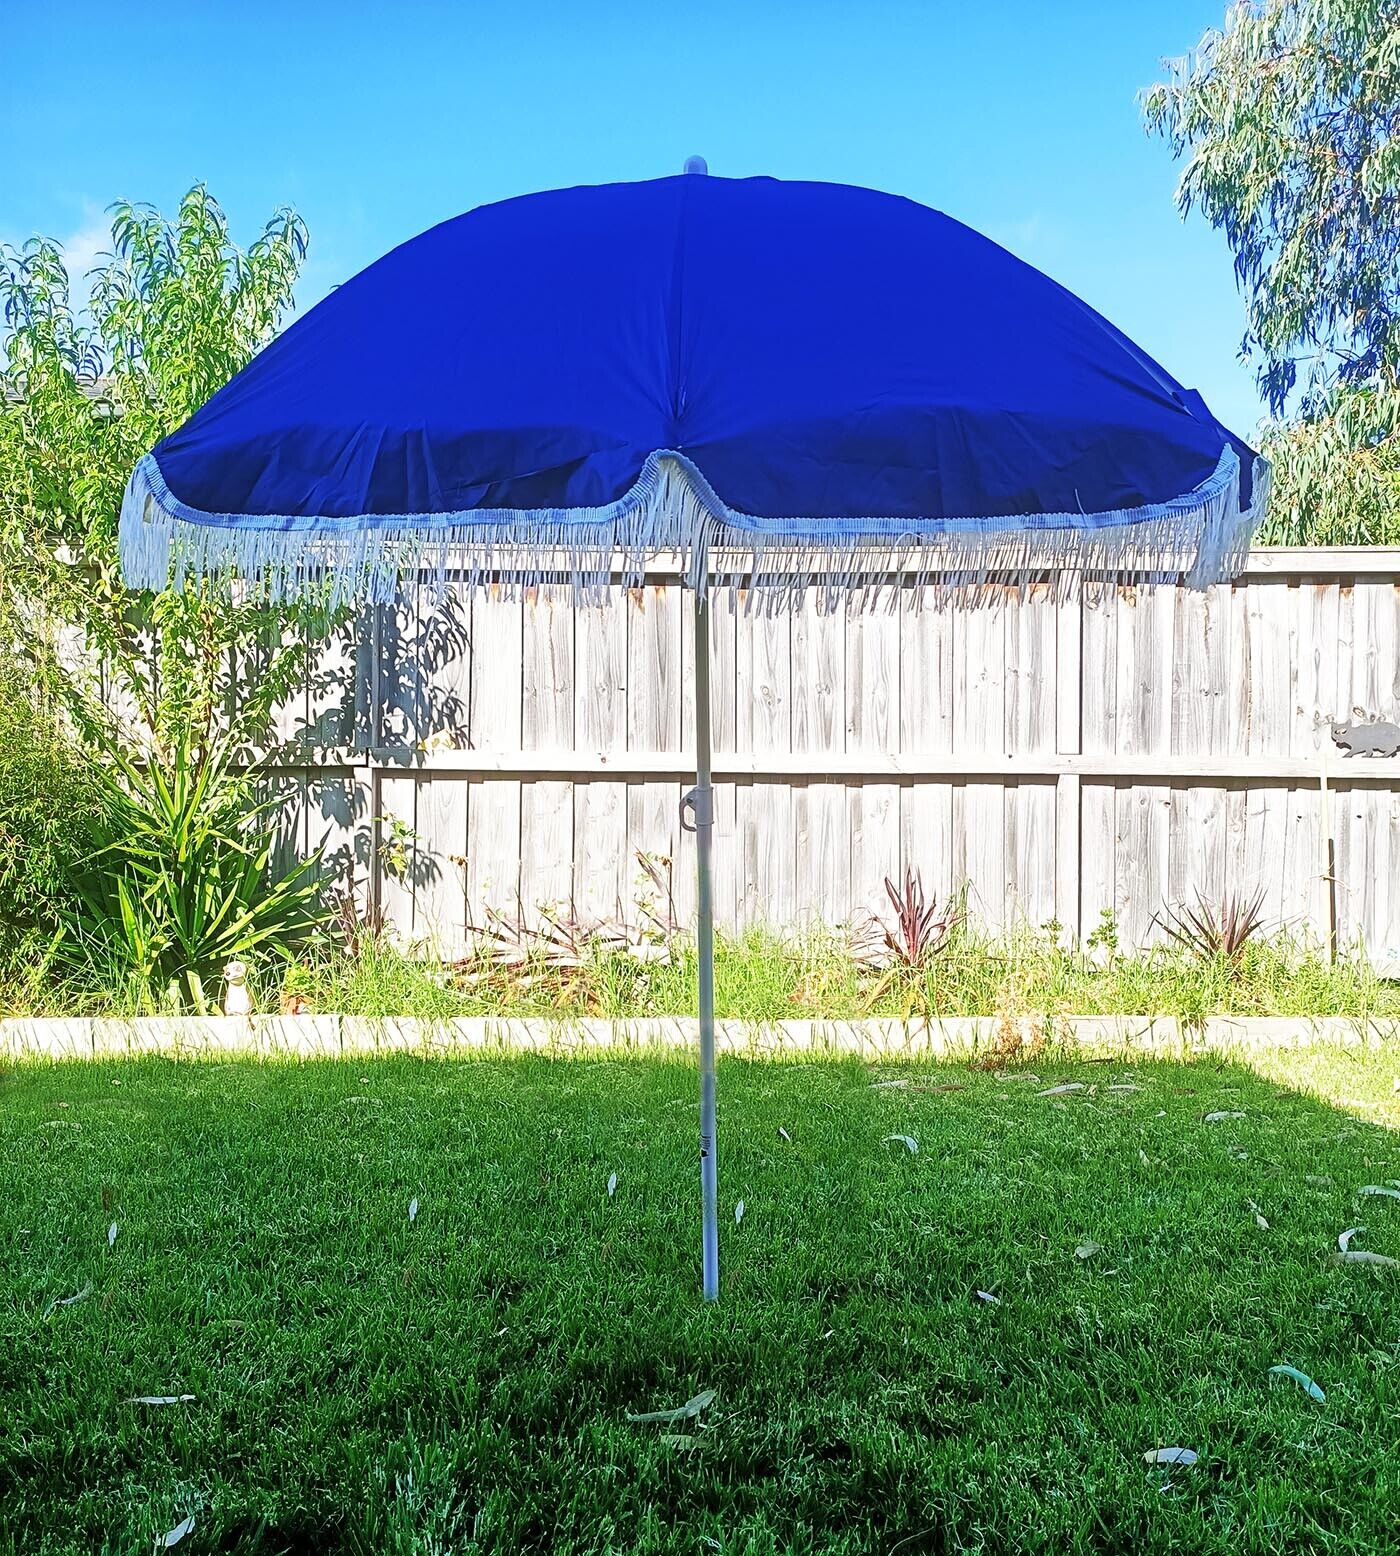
(237, 1000)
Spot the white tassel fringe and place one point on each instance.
(1200, 538)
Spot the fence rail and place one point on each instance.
(1115, 752)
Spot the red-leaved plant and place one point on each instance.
(1216, 930)
(918, 932)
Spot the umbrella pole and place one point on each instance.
(703, 811)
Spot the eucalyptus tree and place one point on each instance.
(1287, 122)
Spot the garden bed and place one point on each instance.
(821, 976)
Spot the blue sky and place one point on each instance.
(378, 119)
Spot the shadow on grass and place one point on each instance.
(965, 1347)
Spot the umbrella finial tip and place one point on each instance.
(696, 165)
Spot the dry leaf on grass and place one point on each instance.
(1378, 1261)
(172, 1537)
(784, 1135)
(738, 1213)
(612, 1184)
(1062, 1089)
(909, 1143)
(1303, 1381)
(685, 1412)
(161, 1399)
(1219, 1118)
(111, 1234)
(1182, 1456)
(1375, 1190)
(1087, 1250)
(1344, 1238)
(986, 1296)
(59, 1302)
(413, 1210)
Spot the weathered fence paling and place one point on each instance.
(1114, 752)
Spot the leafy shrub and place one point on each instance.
(42, 797)
(89, 383)
(177, 878)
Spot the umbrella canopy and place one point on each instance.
(782, 382)
(806, 379)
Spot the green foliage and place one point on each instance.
(760, 977)
(175, 310)
(160, 869)
(1337, 470)
(178, 878)
(1288, 121)
(42, 797)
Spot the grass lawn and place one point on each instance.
(460, 1382)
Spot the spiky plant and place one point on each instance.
(1216, 930)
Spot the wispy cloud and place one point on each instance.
(83, 244)
(81, 248)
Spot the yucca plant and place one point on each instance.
(177, 878)
(1219, 930)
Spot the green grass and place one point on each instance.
(460, 1383)
(763, 976)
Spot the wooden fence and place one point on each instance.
(1114, 754)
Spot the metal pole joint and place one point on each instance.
(699, 804)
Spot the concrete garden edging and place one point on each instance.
(331, 1037)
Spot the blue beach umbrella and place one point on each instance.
(786, 384)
